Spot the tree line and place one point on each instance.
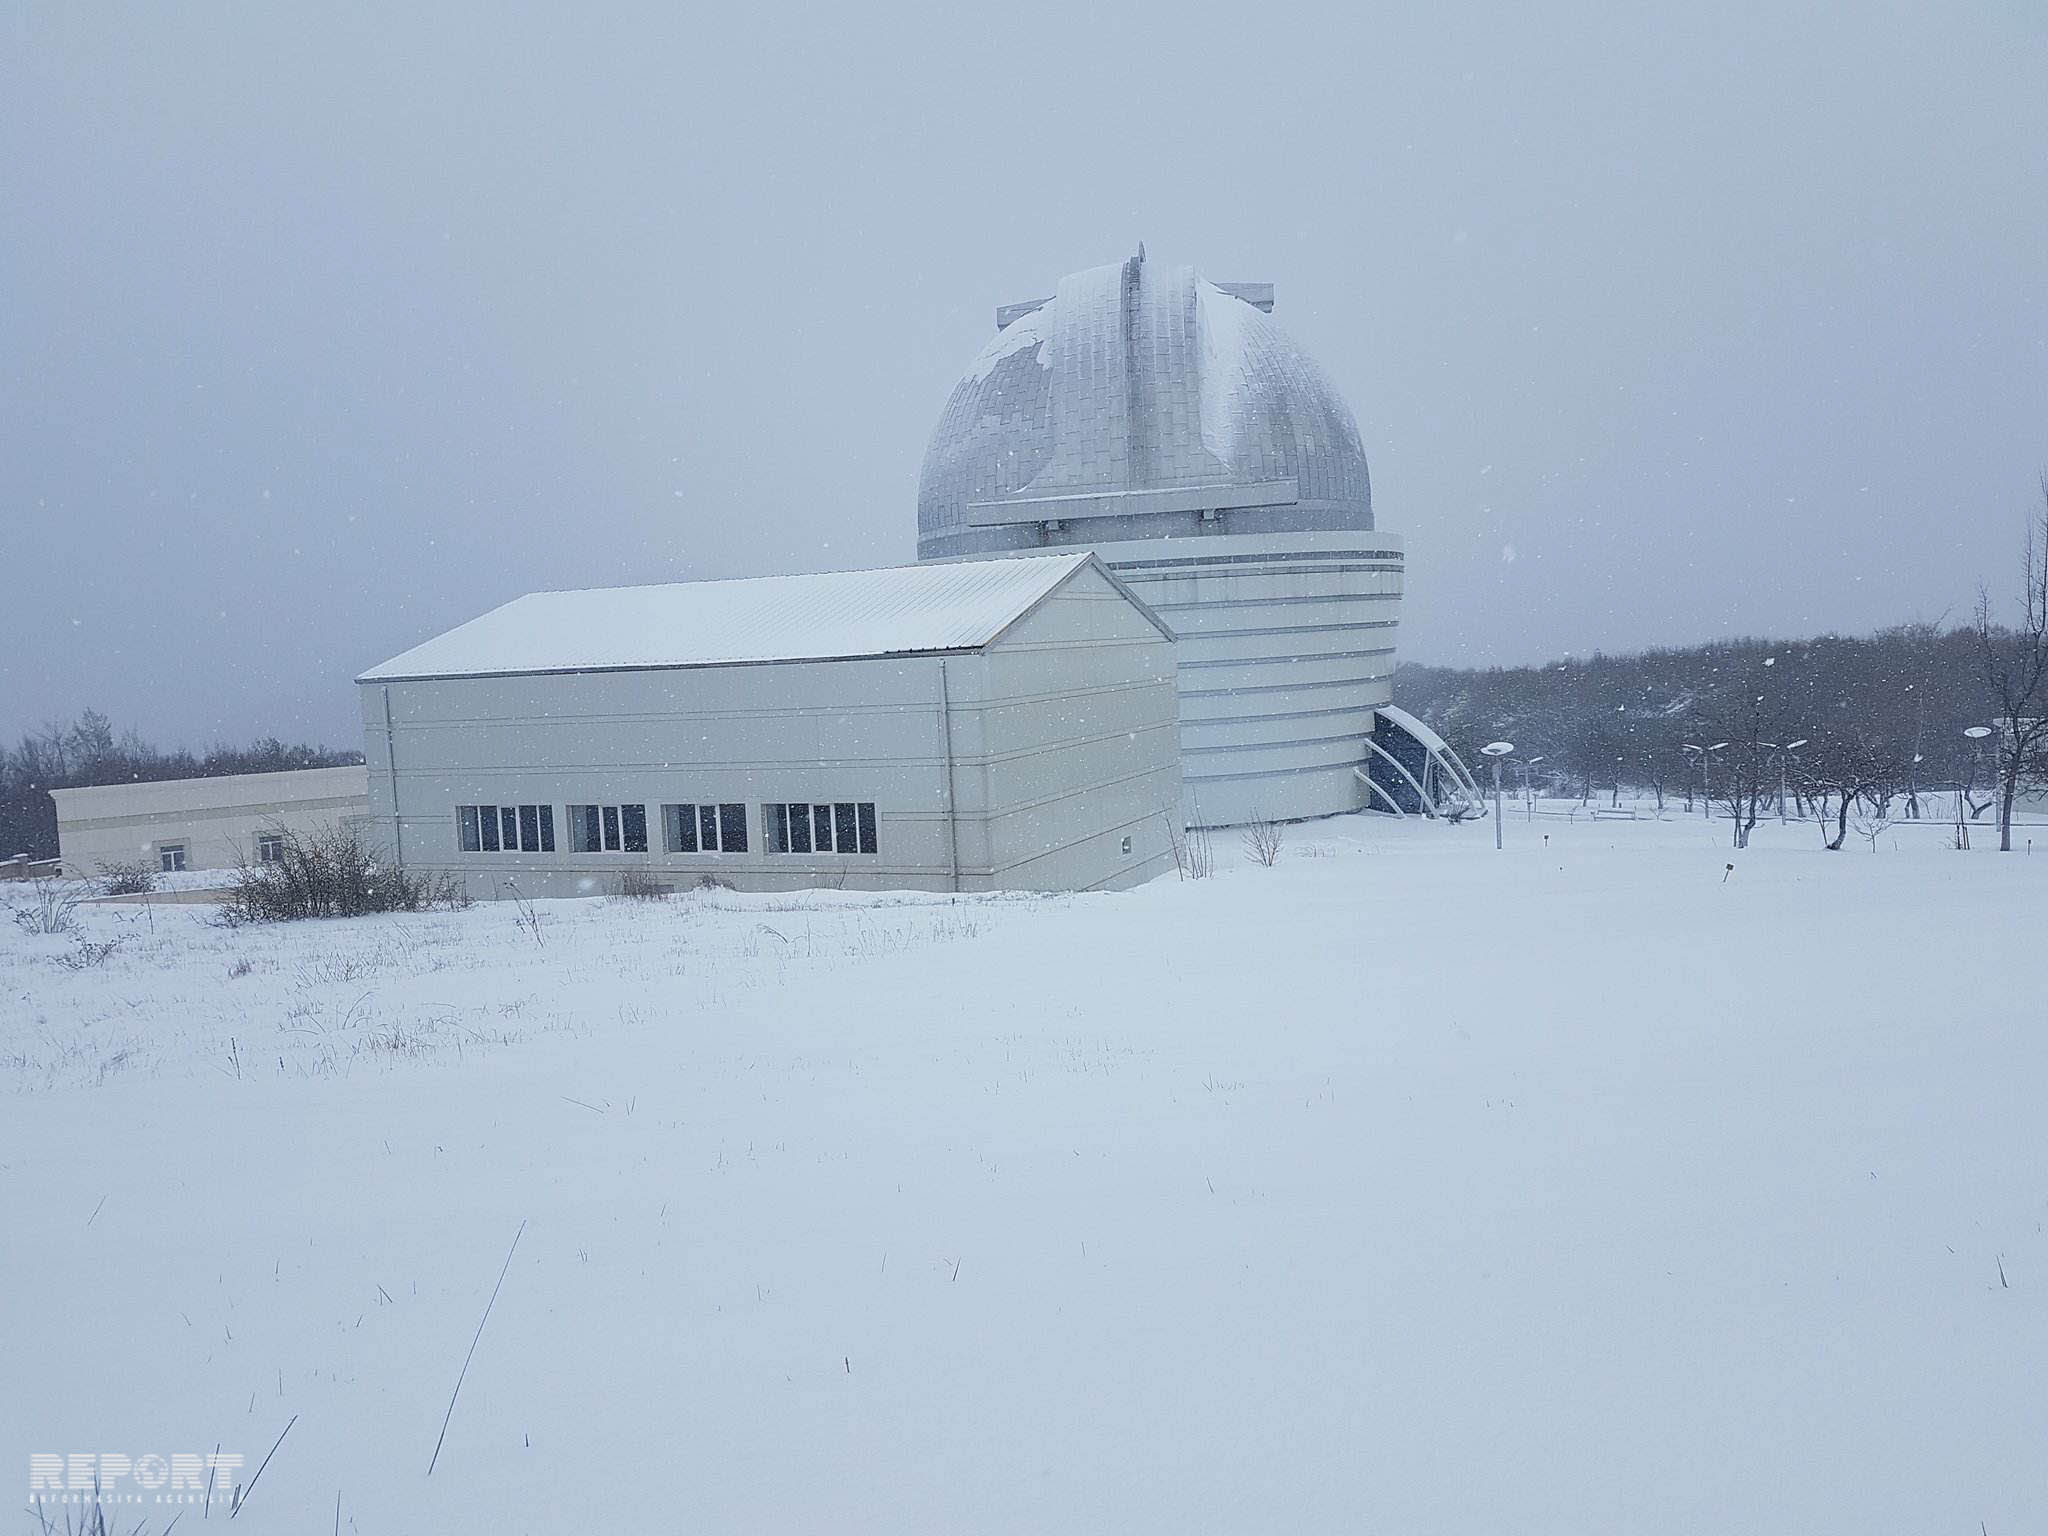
(89, 751)
(1840, 728)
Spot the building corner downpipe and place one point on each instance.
(391, 777)
(952, 798)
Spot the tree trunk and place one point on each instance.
(1841, 825)
(2005, 800)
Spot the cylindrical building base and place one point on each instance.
(1286, 649)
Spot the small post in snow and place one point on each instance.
(1496, 750)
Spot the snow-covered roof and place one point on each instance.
(1414, 727)
(840, 614)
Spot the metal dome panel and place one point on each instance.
(1137, 390)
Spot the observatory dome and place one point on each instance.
(1170, 425)
(1139, 398)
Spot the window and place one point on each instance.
(844, 826)
(505, 828)
(608, 828)
(170, 857)
(270, 848)
(704, 828)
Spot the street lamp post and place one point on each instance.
(1706, 784)
(1497, 750)
(1529, 788)
(1975, 734)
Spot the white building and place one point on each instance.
(216, 823)
(971, 726)
(1171, 426)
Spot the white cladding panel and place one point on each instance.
(1080, 711)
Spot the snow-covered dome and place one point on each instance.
(1139, 400)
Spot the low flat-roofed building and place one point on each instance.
(979, 725)
(213, 823)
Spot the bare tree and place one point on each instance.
(1745, 785)
(1746, 763)
(1841, 771)
(2015, 666)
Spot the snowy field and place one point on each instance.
(1404, 1186)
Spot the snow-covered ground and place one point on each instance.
(1403, 1186)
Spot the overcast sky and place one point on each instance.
(320, 336)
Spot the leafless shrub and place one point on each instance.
(51, 907)
(1262, 840)
(127, 879)
(713, 883)
(1872, 819)
(89, 954)
(641, 885)
(1193, 856)
(331, 873)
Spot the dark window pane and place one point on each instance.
(821, 828)
(465, 823)
(633, 827)
(733, 828)
(529, 829)
(707, 828)
(799, 829)
(547, 829)
(867, 826)
(508, 820)
(680, 828)
(590, 842)
(845, 837)
(611, 827)
(487, 820)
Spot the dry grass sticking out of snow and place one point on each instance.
(170, 991)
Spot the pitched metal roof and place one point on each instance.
(903, 610)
